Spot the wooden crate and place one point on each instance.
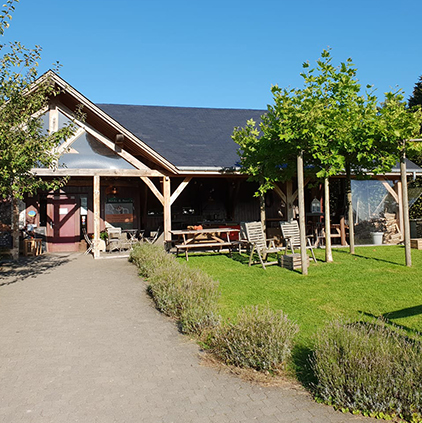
(416, 243)
(291, 261)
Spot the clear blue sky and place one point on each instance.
(219, 53)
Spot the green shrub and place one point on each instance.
(149, 258)
(260, 339)
(187, 294)
(371, 368)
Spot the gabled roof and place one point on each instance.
(187, 137)
(178, 139)
(117, 128)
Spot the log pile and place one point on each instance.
(387, 224)
(392, 234)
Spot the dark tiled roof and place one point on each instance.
(192, 137)
(185, 136)
(410, 167)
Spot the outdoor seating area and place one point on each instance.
(251, 238)
(208, 239)
(118, 240)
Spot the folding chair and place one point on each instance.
(113, 238)
(291, 235)
(153, 236)
(88, 241)
(262, 246)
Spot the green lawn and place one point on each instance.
(373, 282)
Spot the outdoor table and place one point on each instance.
(204, 239)
(134, 235)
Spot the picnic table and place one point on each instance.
(209, 239)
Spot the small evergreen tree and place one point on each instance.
(416, 98)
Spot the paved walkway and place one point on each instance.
(80, 342)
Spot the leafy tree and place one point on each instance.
(336, 127)
(23, 144)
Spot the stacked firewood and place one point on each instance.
(392, 233)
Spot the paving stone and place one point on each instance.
(81, 341)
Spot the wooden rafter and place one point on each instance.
(179, 189)
(91, 172)
(154, 189)
(390, 189)
(280, 193)
(294, 195)
(101, 114)
(111, 145)
(62, 148)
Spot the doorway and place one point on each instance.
(63, 223)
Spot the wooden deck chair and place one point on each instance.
(154, 235)
(88, 241)
(124, 242)
(291, 235)
(259, 244)
(113, 238)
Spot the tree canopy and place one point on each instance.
(335, 126)
(331, 121)
(23, 143)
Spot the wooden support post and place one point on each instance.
(400, 204)
(302, 227)
(167, 208)
(97, 206)
(342, 232)
(53, 118)
(405, 202)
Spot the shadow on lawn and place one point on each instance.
(301, 358)
(405, 312)
(241, 258)
(401, 263)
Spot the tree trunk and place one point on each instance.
(263, 215)
(302, 226)
(327, 219)
(15, 228)
(350, 209)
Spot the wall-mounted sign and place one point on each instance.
(32, 213)
(119, 200)
(119, 213)
(63, 210)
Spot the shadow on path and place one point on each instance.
(29, 267)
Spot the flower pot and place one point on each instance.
(377, 237)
